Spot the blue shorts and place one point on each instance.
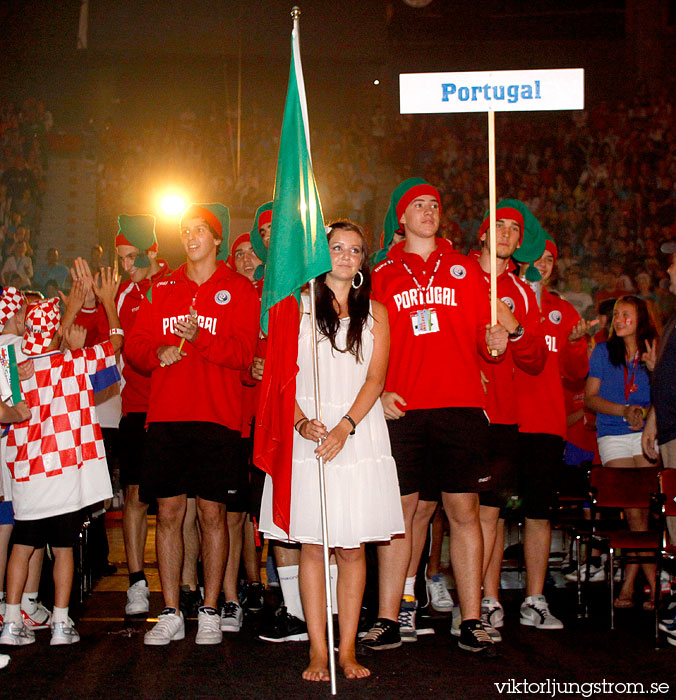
(6, 513)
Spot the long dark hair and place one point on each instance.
(645, 330)
(357, 299)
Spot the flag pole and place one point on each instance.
(492, 233)
(295, 14)
(322, 496)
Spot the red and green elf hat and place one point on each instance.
(215, 214)
(532, 244)
(235, 242)
(137, 230)
(263, 216)
(505, 209)
(401, 197)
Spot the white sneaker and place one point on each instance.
(208, 626)
(64, 633)
(440, 598)
(494, 612)
(535, 613)
(138, 599)
(231, 616)
(492, 617)
(16, 634)
(169, 627)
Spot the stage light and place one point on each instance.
(376, 82)
(172, 204)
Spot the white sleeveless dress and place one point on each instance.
(362, 489)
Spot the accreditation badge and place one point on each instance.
(424, 321)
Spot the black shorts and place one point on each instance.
(190, 457)
(440, 450)
(239, 496)
(539, 462)
(131, 444)
(57, 531)
(503, 463)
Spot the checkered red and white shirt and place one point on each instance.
(57, 458)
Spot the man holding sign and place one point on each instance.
(438, 307)
(195, 332)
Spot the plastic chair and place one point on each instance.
(630, 487)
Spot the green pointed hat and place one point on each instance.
(262, 217)
(533, 242)
(139, 231)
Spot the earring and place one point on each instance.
(361, 280)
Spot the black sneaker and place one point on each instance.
(284, 627)
(189, 602)
(383, 635)
(474, 638)
(253, 597)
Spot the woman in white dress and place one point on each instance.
(363, 503)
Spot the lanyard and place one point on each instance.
(431, 279)
(629, 385)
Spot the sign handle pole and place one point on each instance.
(492, 208)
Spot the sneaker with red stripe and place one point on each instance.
(39, 619)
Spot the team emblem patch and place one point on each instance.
(509, 301)
(458, 271)
(222, 297)
(555, 316)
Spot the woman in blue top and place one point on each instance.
(618, 389)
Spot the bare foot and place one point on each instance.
(352, 668)
(318, 670)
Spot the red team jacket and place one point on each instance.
(205, 385)
(251, 388)
(441, 368)
(541, 406)
(528, 353)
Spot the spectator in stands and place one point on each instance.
(580, 300)
(20, 264)
(53, 271)
(96, 258)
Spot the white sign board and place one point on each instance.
(491, 91)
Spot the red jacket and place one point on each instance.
(205, 384)
(135, 387)
(541, 406)
(528, 353)
(582, 433)
(251, 388)
(434, 369)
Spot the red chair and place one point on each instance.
(630, 487)
(666, 550)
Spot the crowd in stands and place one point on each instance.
(23, 160)
(600, 180)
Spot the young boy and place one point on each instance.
(56, 457)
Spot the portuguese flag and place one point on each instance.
(298, 252)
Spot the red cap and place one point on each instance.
(503, 213)
(242, 238)
(551, 247)
(264, 218)
(416, 191)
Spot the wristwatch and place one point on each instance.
(517, 333)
